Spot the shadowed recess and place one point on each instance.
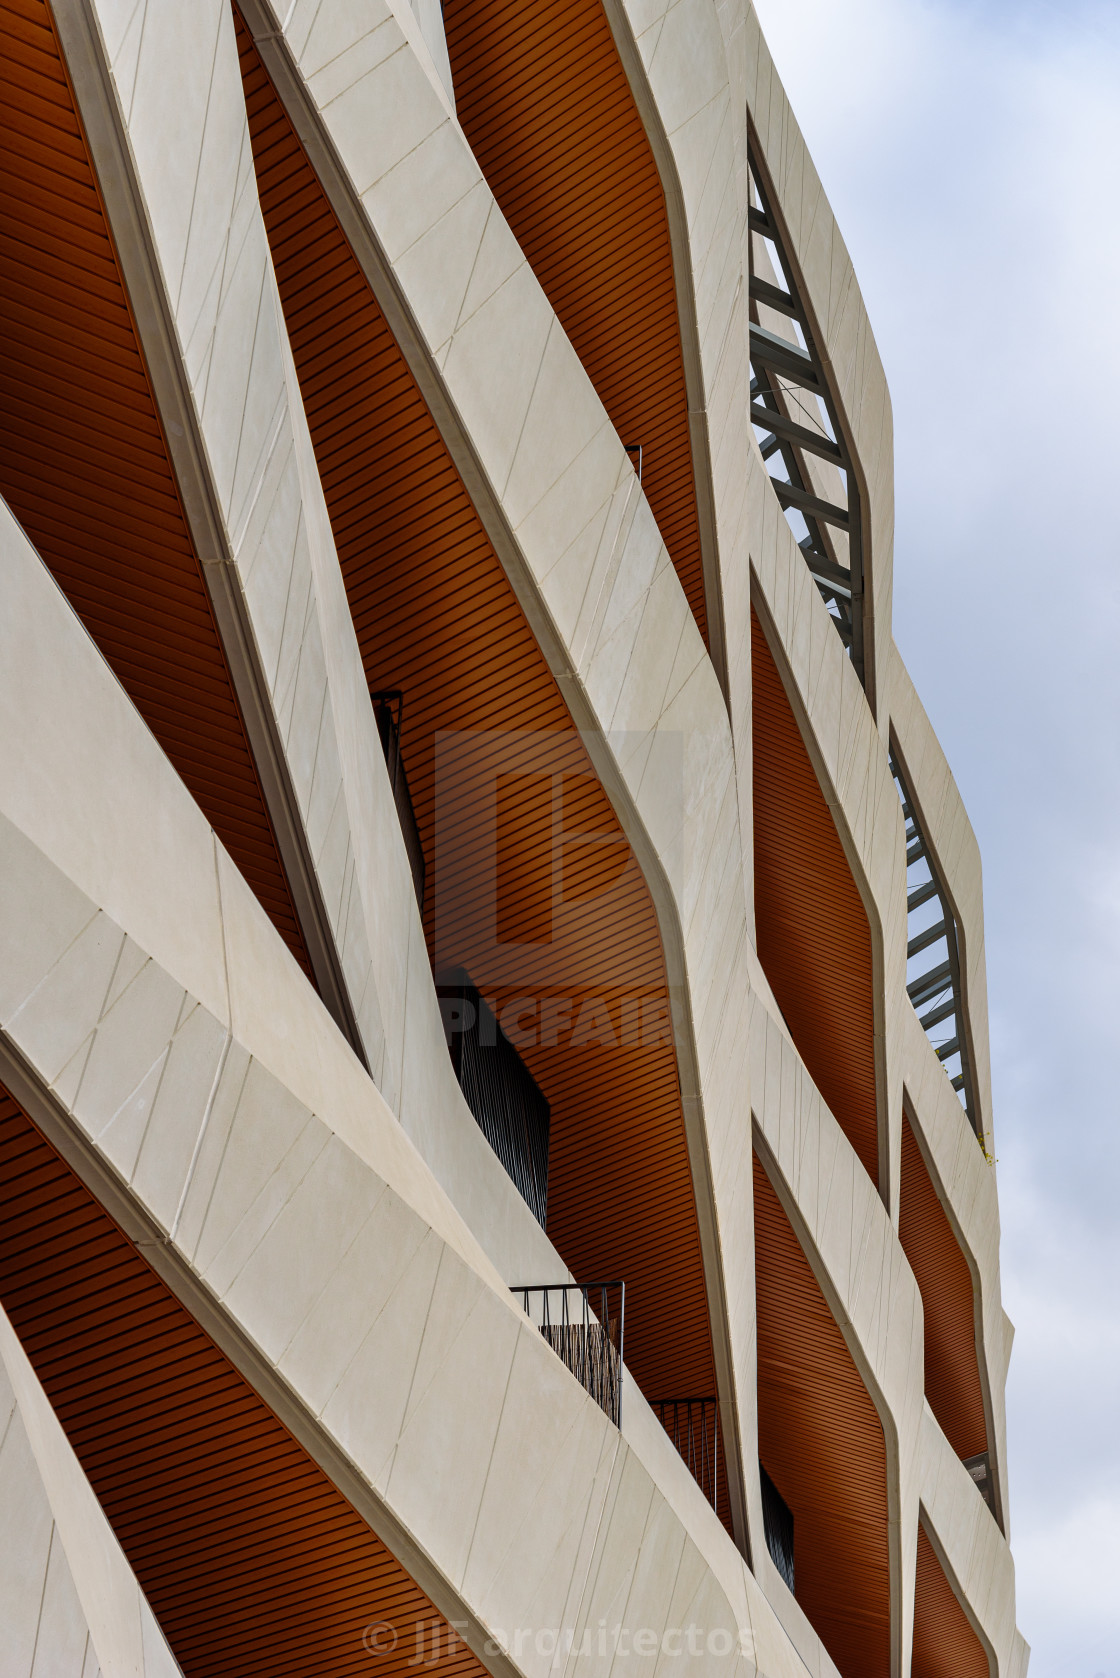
(813, 938)
(544, 101)
(945, 1645)
(945, 1282)
(254, 1563)
(532, 887)
(84, 464)
(821, 1441)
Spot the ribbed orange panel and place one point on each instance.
(952, 1371)
(522, 817)
(83, 463)
(821, 1442)
(544, 101)
(813, 939)
(254, 1563)
(945, 1645)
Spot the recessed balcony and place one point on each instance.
(531, 894)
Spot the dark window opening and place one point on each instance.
(388, 708)
(777, 1525)
(498, 1088)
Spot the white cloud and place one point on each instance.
(971, 152)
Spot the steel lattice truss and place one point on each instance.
(797, 423)
(933, 970)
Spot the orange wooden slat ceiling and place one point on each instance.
(436, 617)
(945, 1281)
(945, 1644)
(821, 1442)
(813, 938)
(544, 101)
(83, 461)
(252, 1560)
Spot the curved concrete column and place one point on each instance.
(555, 489)
(155, 1026)
(972, 1550)
(694, 68)
(187, 222)
(850, 757)
(685, 66)
(552, 484)
(70, 1606)
(174, 1047)
(854, 1252)
(843, 334)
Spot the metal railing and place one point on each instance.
(777, 1526)
(693, 1426)
(388, 708)
(933, 968)
(498, 1088)
(584, 1326)
(797, 423)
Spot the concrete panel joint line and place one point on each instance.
(495, 1098)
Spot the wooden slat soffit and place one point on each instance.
(952, 1371)
(945, 1644)
(821, 1441)
(254, 1563)
(531, 885)
(84, 464)
(814, 941)
(544, 101)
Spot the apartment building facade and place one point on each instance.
(495, 1115)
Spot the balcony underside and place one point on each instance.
(821, 1441)
(813, 937)
(84, 464)
(945, 1645)
(952, 1370)
(531, 886)
(545, 103)
(252, 1560)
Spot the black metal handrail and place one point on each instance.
(693, 1426)
(584, 1324)
(498, 1088)
(388, 709)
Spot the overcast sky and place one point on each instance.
(971, 152)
